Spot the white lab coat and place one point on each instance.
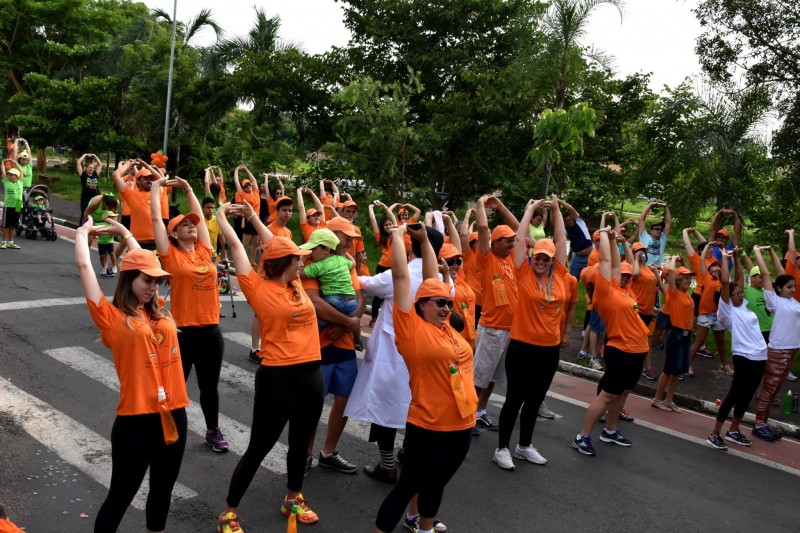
(381, 393)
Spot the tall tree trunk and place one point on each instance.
(41, 160)
(545, 183)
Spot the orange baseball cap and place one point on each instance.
(626, 268)
(683, 271)
(473, 236)
(144, 261)
(724, 232)
(503, 232)
(278, 247)
(143, 172)
(349, 203)
(312, 211)
(245, 182)
(178, 219)
(596, 235)
(284, 200)
(544, 246)
(588, 274)
(432, 288)
(343, 225)
(638, 246)
(448, 250)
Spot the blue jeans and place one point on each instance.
(341, 303)
(577, 264)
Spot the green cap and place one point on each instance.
(321, 237)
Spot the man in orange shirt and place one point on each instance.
(339, 364)
(471, 273)
(139, 201)
(499, 287)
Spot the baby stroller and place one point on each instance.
(36, 203)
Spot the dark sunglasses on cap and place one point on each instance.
(441, 302)
(453, 260)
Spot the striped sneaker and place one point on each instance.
(304, 513)
(229, 523)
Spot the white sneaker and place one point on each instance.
(595, 363)
(546, 413)
(529, 453)
(791, 377)
(114, 269)
(503, 459)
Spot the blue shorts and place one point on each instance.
(677, 347)
(340, 377)
(577, 264)
(596, 323)
(663, 322)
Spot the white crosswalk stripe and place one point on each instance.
(237, 434)
(72, 441)
(234, 375)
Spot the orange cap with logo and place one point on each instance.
(544, 246)
(144, 261)
(278, 247)
(432, 288)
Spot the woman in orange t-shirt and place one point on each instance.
(443, 398)
(626, 344)
(150, 428)
(184, 248)
(289, 387)
(679, 338)
(707, 311)
(380, 230)
(464, 301)
(247, 191)
(536, 333)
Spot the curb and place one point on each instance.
(688, 402)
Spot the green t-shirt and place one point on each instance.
(27, 175)
(333, 274)
(13, 194)
(756, 303)
(99, 217)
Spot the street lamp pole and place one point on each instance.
(169, 82)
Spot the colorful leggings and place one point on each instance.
(779, 363)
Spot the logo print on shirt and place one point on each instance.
(134, 323)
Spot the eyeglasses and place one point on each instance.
(441, 302)
(453, 261)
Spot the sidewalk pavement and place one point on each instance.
(699, 392)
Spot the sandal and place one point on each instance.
(672, 407)
(661, 404)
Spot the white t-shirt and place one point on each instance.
(746, 337)
(785, 332)
(655, 249)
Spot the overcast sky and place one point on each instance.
(655, 36)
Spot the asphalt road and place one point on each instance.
(55, 386)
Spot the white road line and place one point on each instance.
(72, 441)
(239, 377)
(237, 434)
(47, 302)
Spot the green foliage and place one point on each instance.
(560, 131)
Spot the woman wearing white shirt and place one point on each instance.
(748, 348)
(784, 338)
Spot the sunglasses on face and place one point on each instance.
(721, 236)
(441, 302)
(453, 261)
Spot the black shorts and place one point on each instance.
(249, 229)
(148, 245)
(622, 370)
(125, 220)
(10, 217)
(105, 249)
(696, 299)
(646, 319)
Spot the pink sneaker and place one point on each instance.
(690, 373)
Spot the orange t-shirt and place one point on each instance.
(139, 204)
(497, 281)
(289, 333)
(6, 526)
(594, 257)
(428, 352)
(344, 342)
(273, 208)
(464, 303)
(130, 183)
(363, 270)
(472, 275)
(307, 229)
(134, 343)
(358, 244)
(537, 317)
(386, 252)
(280, 231)
(253, 198)
(681, 309)
(711, 288)
(624, 328)
(194, 300)
(791, 269)
(572, 298)
(645, 287)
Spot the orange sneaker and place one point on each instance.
(229, 523)
(304, 514)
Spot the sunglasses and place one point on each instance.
(453, 261)
(441, 302)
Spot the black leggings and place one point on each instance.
(137, 442)
(529, 372)
(430, 461)
(746, 378)
(383, 435)
(292, 394)
(378, 302)
(203, 347)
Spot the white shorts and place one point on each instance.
(490, 356)
(710, 321)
